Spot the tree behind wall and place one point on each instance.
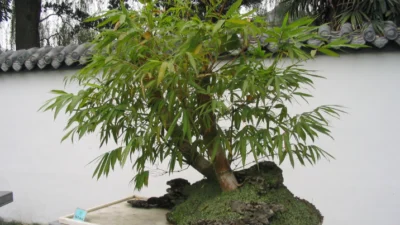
(341, 11)
(68, 16)
(27, 15)
(5, 9)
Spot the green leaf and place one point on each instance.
(298, 154)
(285, 20)
(58, 92)
(279, 143)
(277, 87)
(122, 19)
(237, 120)
(243, 150)
(126, 152)
(161, 72)
(141, 180)
(328, 52)
(217, 26)
(238, 21)
(192, 61)
(313, 53)
(288, 148)
(234, 8)
(172, 125)
(68, 134)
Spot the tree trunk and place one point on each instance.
(226, 178)
(222, 168)
(197, 161)
(27, 19)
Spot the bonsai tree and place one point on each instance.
(166, 85)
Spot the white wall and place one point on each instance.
(361, 186)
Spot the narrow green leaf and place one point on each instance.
(192, 61)
(313, 53)
(288, 148)
(161, 72)
(234, 8)
(172, 125)
(217, 26)
(285, 20)
(58, 92)
(277, 87)
(122, 19)
(328, 52)
(68, 134)
(243, 150)
(281, 154)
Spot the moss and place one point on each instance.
(207, 202)
(3, 222)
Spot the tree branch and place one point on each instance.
(48, 16)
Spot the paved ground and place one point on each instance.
(124, 214)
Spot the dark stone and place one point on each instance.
(6, 197)
(140, 204)
(265, 176)
(256, 212)
(173, 197)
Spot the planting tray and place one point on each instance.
(118, 213)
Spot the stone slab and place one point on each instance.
(119, 213)
(124, 214)
(6, 197)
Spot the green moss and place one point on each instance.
(206, 201)
(3, 222)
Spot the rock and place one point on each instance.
(262, 199)
(173, 197)
(140, 204)
(256, 212)
(265, 176)
(178, 182)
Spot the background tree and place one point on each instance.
(61, 22)
(338, 12)
(158, 88)
(50, 22)
(27, 19)
(5, 10)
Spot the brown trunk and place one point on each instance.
(226, 178)
(197, 161)
(27, 19)
(222, 168)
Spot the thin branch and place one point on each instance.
(48, 38)
(67, 23)
(162, 172)
(45, 18)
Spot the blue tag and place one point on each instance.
(80, 214)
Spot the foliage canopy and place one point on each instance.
(160, 88)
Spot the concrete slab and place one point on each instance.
(119, 213)
(6, 197)
(125, 214)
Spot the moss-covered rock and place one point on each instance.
(4, 222)
(262, 187)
